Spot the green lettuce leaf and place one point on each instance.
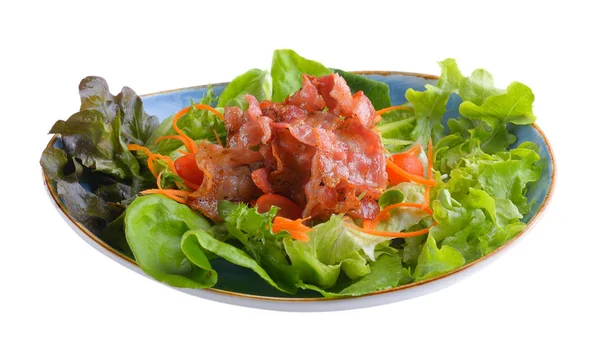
(332, 248)
(396, 129)
(197, 244)
(287, 69)
(430, 107)
(197, 124)
(154, 227)
(515, 106)
(476, 88)
(385, 273)
(254, 82)
(434, 261)
(480, 204)
(252, 230)
(459, 227)
(404, 218)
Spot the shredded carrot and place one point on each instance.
(151, 156)
(369, 224)
(139, 147)
(169, 161)
(295, 228)
(414, 150)
(390, 234)
(408, 176)
(217, 136)
(176, 195)
(189, 143)
(391, 108)
(385, 212)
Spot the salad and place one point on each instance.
(306, 176)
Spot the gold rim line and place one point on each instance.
(510, 242)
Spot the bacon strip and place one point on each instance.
(317, 148)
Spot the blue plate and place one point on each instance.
(241, 286)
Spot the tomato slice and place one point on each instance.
(287, 207)
(187, 169)
(407, 162)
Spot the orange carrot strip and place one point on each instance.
(414, 150)
(190, 144)
(151, 159)
(147, 151)
(169, 161)
(294, 227)
(175, 195)
(217, 136)
(385, 212)
(139, 147)
(209, 108)
(408, 176)
(370, 224)
(391, 108)
(389, 234)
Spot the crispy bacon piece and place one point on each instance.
(326, 161)
(308, 98)
(227, 176)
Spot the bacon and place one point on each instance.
(336, 93)
(260, 177)
(326, 161)
(363, 110)
(341, 102)
(247, 129)
(227, 176)
(308, 98)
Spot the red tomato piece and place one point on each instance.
(407, 162)
(287, 207)
(187, 169)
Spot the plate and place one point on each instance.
(243, 287)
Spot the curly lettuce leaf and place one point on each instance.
(430, 107)
(514, 105)
(96, 176)
(137, 126)
(97, 144)
(475, 88)
(385, 273)
(434, 261)
(332, 248)
(480, 203)
(287, 68)
(459, 227)
(154, 227)
(197, 124)
(253, 230)
(255, 82)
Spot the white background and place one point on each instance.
(65, 302)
